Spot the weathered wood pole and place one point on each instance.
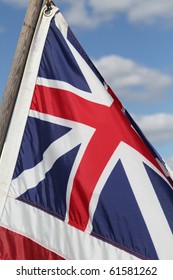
(18, 65)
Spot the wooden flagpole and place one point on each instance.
(18, 65)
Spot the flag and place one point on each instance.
(78, 179)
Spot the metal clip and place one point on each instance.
(47, 11)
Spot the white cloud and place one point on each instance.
(132, 80)
(146, 11)
(149, 11)
(90, 13)
(77, 14)
(158, 127)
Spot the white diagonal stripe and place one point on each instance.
(79, 134)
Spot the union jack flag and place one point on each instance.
(86, 183)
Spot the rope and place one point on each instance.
(48, 3)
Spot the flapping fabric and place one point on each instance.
(78, 179)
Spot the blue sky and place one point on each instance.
(131, 43)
